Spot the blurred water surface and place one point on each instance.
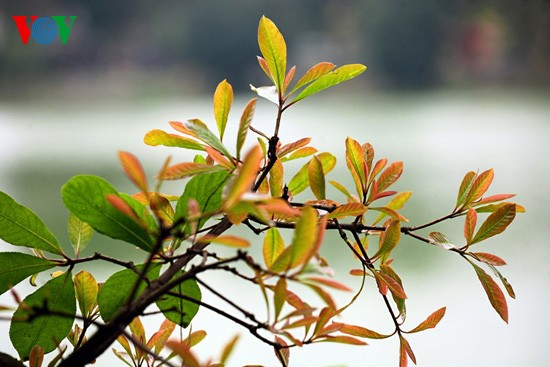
(440, 135)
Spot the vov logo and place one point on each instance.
(44, 30)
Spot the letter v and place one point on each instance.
(62, 27)
(21, 23)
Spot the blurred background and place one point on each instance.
(451, 87)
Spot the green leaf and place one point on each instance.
(303, 242)
(86, 197)
(279, 296)
(86, 292)
(273, 246)
(330, 79)
(179, 310)
(114, 293)
(15, 266)
(355, 160)
(244, 125)
(300, 181)
(80, 233)
(19, 226)
(223, 99)
(495, 223)
(207, 190)
(494, 293)
(396, 203)
(465, 187)
(204, 134)
(314, 73)
(276, 177)
(273, 48)
(159, 137)
(389, 239)
(316, 178)
(44, 328)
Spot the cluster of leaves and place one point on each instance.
(250, 188)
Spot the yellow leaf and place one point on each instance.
(223, 98)
(273, 49)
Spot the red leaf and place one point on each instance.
(489, 258)
(394, 286)
(431, 321)
(494, 293)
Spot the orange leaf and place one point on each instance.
(265, 68)
(182, 349)
(346, 210)
(159, 338)
(324, 316)
(431, 321)
(406, 348)
(289, 148)
(494, 199)
(494, 293)
(188, 169)
(122, 206)
(470, 224)
(495, 223)
(361, 332)
(390, 175)
(218, 157)
(329, 283)
(225, 239)
(343, 339)
(391, 212)
(245, 178)
(479, 186)
(133, 169)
